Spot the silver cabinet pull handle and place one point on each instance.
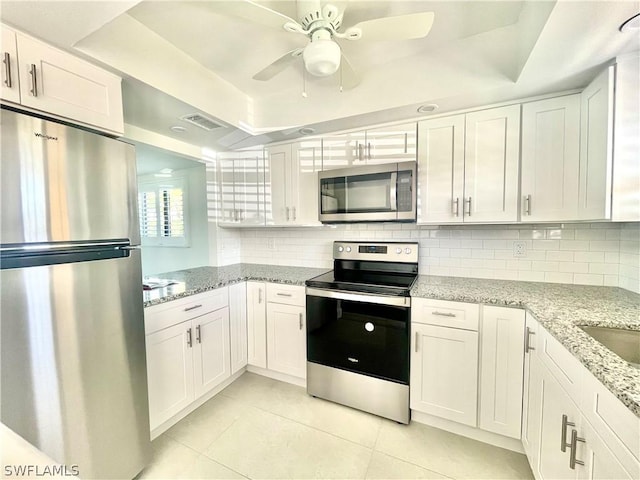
(192, 308)
(300, 316)
(198, 335)
(527, 340)
(287, 208)
(527, 205)
(443, 314)
(294, 213)
(469, 202)
(34, 80)
(406, 146)
(7, 69)
(572, 454)
(563, 441)
(189, 339)
(360, 148)
(456, 202)
(259, 296)
(280, 294)
(416, 345)
(369, 150)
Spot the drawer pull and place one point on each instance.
(280, 294)
(563, 441)
(188, 309)
(572, 455)
(443, 314)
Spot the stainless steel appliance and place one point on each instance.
(358, 327)
(373, 193)
(73, 350)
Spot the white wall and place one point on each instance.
(591, 254)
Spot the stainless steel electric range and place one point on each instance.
(358, 327)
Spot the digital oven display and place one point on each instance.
(372, 249)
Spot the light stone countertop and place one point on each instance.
(558, 307)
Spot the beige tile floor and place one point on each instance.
(260, 428)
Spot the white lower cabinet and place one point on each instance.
(188, 352)
(558, 437)
(286, 330)
(256, 324)
(501, 370)
(238, 326)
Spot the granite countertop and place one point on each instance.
(559, 308)
(201, 279)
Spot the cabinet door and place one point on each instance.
(342, 151)
(226, 182)
(392, 144)
(169, 371)
(550, 159)
(54, 81)
(306, 163)
(249, 187)
(10, 83)
(211, 358)
(532, 392)
(599, 461)
(596, 148)
(238, 326)
(492, 154)
(256, 324)
(286, 339)
(277, 194)
(553, 462)
(441, 170)
(444, 372)
(501, 370)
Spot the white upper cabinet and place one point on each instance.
(10, 82)
(291, 183)
(242, 188)
(441, 170)
(492, 154)
(396, 143)
(550, 159)
(54, 82)
(596, 148)
(343, 150)
(468, 172)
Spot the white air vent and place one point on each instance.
(201, 121)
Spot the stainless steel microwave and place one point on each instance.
(372, 193)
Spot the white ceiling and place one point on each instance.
(181, 57)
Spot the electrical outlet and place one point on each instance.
(519, 249)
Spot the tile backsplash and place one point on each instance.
(591, 254)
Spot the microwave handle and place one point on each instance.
(393, 191)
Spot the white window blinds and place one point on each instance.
(162, 214)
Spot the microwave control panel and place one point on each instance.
(404, 193)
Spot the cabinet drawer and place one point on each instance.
(170, 313)
(618, 427)
(561, 362)
(287, 294)
(445, 313)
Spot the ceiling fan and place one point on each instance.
(322, 23)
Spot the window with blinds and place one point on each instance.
(162, 214)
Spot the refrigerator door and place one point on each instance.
(73, 367)
(63, 184)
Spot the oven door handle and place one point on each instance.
(360, 297)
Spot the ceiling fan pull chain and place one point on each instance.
(341, 90)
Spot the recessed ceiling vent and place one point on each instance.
(201, 121)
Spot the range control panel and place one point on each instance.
(376, 251)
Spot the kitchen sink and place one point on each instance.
(624, 343)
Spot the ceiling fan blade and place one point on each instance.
(254, 12)
(402, 27)
(349, 78)
(279, 65)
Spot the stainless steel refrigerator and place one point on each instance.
(74, 380)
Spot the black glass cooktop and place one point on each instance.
(383, 283)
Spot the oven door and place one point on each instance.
(366, 334)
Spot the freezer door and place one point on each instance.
(73, 363)
(62, 184)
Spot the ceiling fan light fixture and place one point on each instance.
(322, 57)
